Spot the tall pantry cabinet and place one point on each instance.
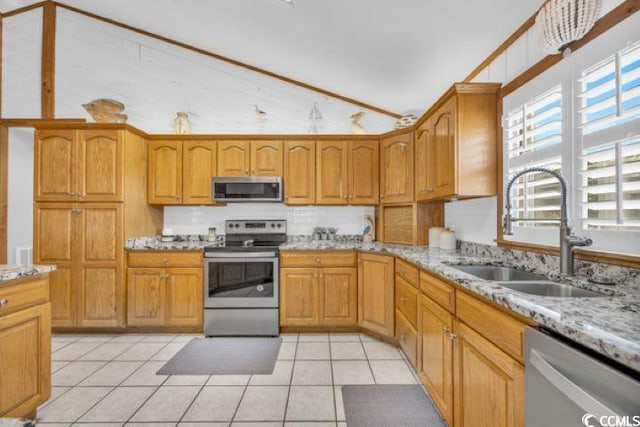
(90, 196)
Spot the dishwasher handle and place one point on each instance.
(577, 395)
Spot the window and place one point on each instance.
(610, 142)
(580, 118)
(533, 137)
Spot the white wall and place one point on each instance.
(473, 220)
(20, 194)
(300, 219)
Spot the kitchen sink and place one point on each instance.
(499, 274)
(549, 289)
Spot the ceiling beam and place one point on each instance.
(48, 62)
(230, 61)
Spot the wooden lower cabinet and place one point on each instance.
(318, 296)
(488, 383)
(407, 338)
(436, 355)
(376, 307)
(25, 347)
(164, 297)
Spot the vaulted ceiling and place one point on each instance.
(399, 55)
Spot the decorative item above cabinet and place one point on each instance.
(456, 144)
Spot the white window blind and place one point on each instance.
(533, 137)
(610, 142)
(610, 93)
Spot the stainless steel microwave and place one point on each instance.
(247, 188)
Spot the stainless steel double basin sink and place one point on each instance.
(524, 281)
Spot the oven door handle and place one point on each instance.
(242, 256)
(571, 390)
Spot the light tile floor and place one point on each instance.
(110, 380)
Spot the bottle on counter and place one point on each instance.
(212, 234)
(448, 240)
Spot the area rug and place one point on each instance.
(224, 356)
(389, 406)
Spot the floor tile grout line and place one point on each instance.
(194, 399)
(293, 368)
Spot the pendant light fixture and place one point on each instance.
(560, 22)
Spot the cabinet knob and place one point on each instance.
(246, 171)
(321, 276)
(315, 275)
(445, 330)
(3, 302)
(403, 299)
(164, 260)
(453, 337)
(318, 260)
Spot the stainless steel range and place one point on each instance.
(241, 279)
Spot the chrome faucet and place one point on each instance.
(567, 240)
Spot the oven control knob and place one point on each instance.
(279, 225)
(273, 225)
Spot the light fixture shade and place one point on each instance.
(560, 22)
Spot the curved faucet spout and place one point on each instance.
(567, 240)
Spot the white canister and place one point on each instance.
(434, 236)
(448, 240)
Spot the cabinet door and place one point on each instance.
(338, 296)
(25, 352)
(396, 169)
(331, 172)
(488, 384)
(266, 158)
(55, 165)
(165, 173)
(435, 364)
(364, 169)
(444, 150)
(299, 297)
(53, 244)
(375, 293)
(100, 160)
(199, 166)
(299, 172)
(146, 297)
(99, 265)
(425, 161)
(184, 297)
(234, 158)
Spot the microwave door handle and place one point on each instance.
(577, 395)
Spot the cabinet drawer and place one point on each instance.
(407, 300)
(318, 259)
(407, 272)
(501, 329)
(24, 294)
(438, 290)
(407, 337)
(164, 259)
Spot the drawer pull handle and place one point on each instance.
(3, 302)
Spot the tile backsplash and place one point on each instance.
(300, 219)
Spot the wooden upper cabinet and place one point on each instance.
(55, 165)
(425, 161)
(363, 169)
(456, 145)
(396, 169)
(300, 172)
(234, 158)
(266, 158)
(79, 165)
(376, 293)
(99, 168)
(165, 172)
(444, 150)
(198, 167)
(331, 172)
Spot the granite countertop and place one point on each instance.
(154, 243)
(609, 325)
(11, 272)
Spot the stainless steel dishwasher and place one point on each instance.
(566, 386)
